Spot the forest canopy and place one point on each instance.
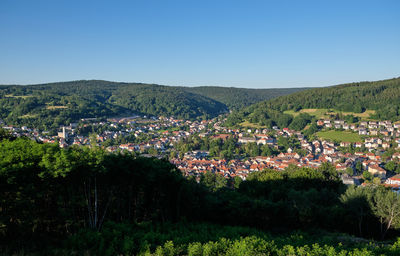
(381, 96)
(51, 105)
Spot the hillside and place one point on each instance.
(237, 98)
(379, 99)
(54, 104)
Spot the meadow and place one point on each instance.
(339, 136)
(322, 113)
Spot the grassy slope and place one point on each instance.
(321, 113)
(340, 136)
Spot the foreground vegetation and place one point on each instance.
(85, 200)
(210, 239)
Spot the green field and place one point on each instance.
(29, 116)
(247, 124)
(325, 113)
(339, 136)
(18, 96)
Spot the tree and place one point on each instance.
(367, 175)
(387, 209)
(329, 171)
(311, 130)
(300, 121)
(357, 202)
(152, 151)
(391, 166)
(349, 171)
(359, 167)
(213, 181)
(376, 181)
(237, 181)
(5, 134)
(172, 155)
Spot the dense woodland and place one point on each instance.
(84, 199)
(238, 98)
(381, 96)
(48, 106)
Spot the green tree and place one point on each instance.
(391, 166)
(237, 181)
(387, 209)
(349, 171)
(359, 167)
(358, 202)
(213, 181)
(367, 176)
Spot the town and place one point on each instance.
(374, 160)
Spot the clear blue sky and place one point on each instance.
(259, 44)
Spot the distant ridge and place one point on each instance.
(381, 96)
(54, 104)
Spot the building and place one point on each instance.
(63, 134)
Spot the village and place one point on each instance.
(357, 162)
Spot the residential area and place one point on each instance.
(372, 160)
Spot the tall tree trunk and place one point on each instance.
(95, 202)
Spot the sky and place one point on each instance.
(249, 43)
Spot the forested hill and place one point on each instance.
(383, 97)
(237, 98)
(54, 104)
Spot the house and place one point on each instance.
(373, 132)
(371, 145)
(350, 180)
(341, 166)
(384, 132)
(377, 170)
(385, 145)
(394, 181)
(221, 136)
(362, 132)
(328, 150)
(345, 144)
(371, 156)
(263, 158)
(396, 155)
(358, 144)
(246, 140)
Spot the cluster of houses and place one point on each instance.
(195, 164)
(161, 132)
(385, 128)
(318, 152)
(165, 132)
